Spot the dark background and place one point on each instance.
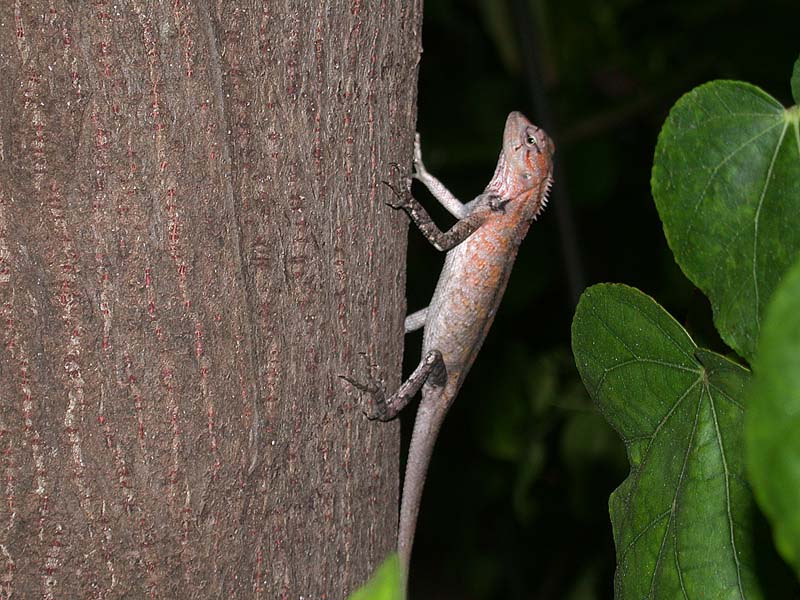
(516, 502)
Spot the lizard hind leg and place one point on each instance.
(431, 369)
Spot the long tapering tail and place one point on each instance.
(426, 428)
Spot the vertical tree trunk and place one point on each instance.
(193, 246)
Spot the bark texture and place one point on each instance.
(193, 246)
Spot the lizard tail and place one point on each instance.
(423, 439)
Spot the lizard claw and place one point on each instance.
(402, 180)
(375, 389)
(401, 173)
(402, 202)
(396, 166)
(370, 387)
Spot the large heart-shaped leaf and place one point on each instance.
(773, 418)
(682, 520)
(726, 181)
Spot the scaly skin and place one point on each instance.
(482, 248)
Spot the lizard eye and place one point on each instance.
(531, 140)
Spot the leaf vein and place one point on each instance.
(755, 223)
(678, 488)
(726, 395)
(726, 474)
(718, 166)
(643, 464)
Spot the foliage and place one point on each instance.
(678, 409)
(385, 583)
(515, 505)
(726, 181)
(773, 418)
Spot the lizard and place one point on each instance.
(481, 248)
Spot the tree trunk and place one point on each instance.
(193, 246)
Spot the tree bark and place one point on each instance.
(193, 246)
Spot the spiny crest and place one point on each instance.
(544, 198)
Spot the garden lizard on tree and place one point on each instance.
(481, 248)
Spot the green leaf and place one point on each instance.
(726, 181)
(386, 583)
(773, 419)
(682, 520)
(796, 81)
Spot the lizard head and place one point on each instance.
(526, 163)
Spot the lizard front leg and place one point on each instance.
(440, 240)
(416, 320)
(436, 187)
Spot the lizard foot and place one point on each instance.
(375, 389)
(402, 198)
(401, 188)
